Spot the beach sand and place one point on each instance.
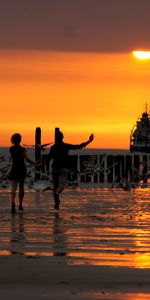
(96, 247)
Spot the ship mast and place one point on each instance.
(146, 107)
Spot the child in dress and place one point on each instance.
(18, 170)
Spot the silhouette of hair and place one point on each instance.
(59, 136)
(16, 138)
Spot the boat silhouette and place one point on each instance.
(140, 134)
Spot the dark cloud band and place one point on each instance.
(81, 25)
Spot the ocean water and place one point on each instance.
(95, 227)
(5, 151)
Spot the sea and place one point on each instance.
(102, 227)
(4, 151)
(95, 227)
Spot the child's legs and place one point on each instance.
(21, 192)
(14, 184)
(55, 177)
(62, 181)
(59, 182)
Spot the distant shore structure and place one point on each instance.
(90, 167)
(100, 166)
(37, 151)
(140, 134)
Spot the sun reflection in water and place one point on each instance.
(117, 296)
(95, 227)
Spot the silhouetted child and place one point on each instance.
(18, 170)
(59, 154)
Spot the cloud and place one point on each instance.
(81, 25)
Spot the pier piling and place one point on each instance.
(37, 152)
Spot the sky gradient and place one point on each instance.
(69, 64)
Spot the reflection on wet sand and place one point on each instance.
(118, 296)
(59, 237)
(95, 227)
(17, 234)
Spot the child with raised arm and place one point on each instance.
(59, 154)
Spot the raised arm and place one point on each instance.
(83, 145)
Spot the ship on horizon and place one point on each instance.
(140, 133)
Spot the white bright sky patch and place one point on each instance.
(142, 54)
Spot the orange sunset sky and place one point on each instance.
(78, 92)
(81, 85)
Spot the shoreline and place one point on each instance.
(51, 271)
(46, 277)
(96, 247)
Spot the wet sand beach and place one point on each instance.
(96, 247)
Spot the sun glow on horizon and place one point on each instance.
(143, 55)
(81, 93)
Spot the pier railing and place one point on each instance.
(105, 168)
(115, 168)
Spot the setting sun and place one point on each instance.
(142, 54)
(77, 92)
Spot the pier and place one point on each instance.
(105, 167)
(93, 167)
(99, 166)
